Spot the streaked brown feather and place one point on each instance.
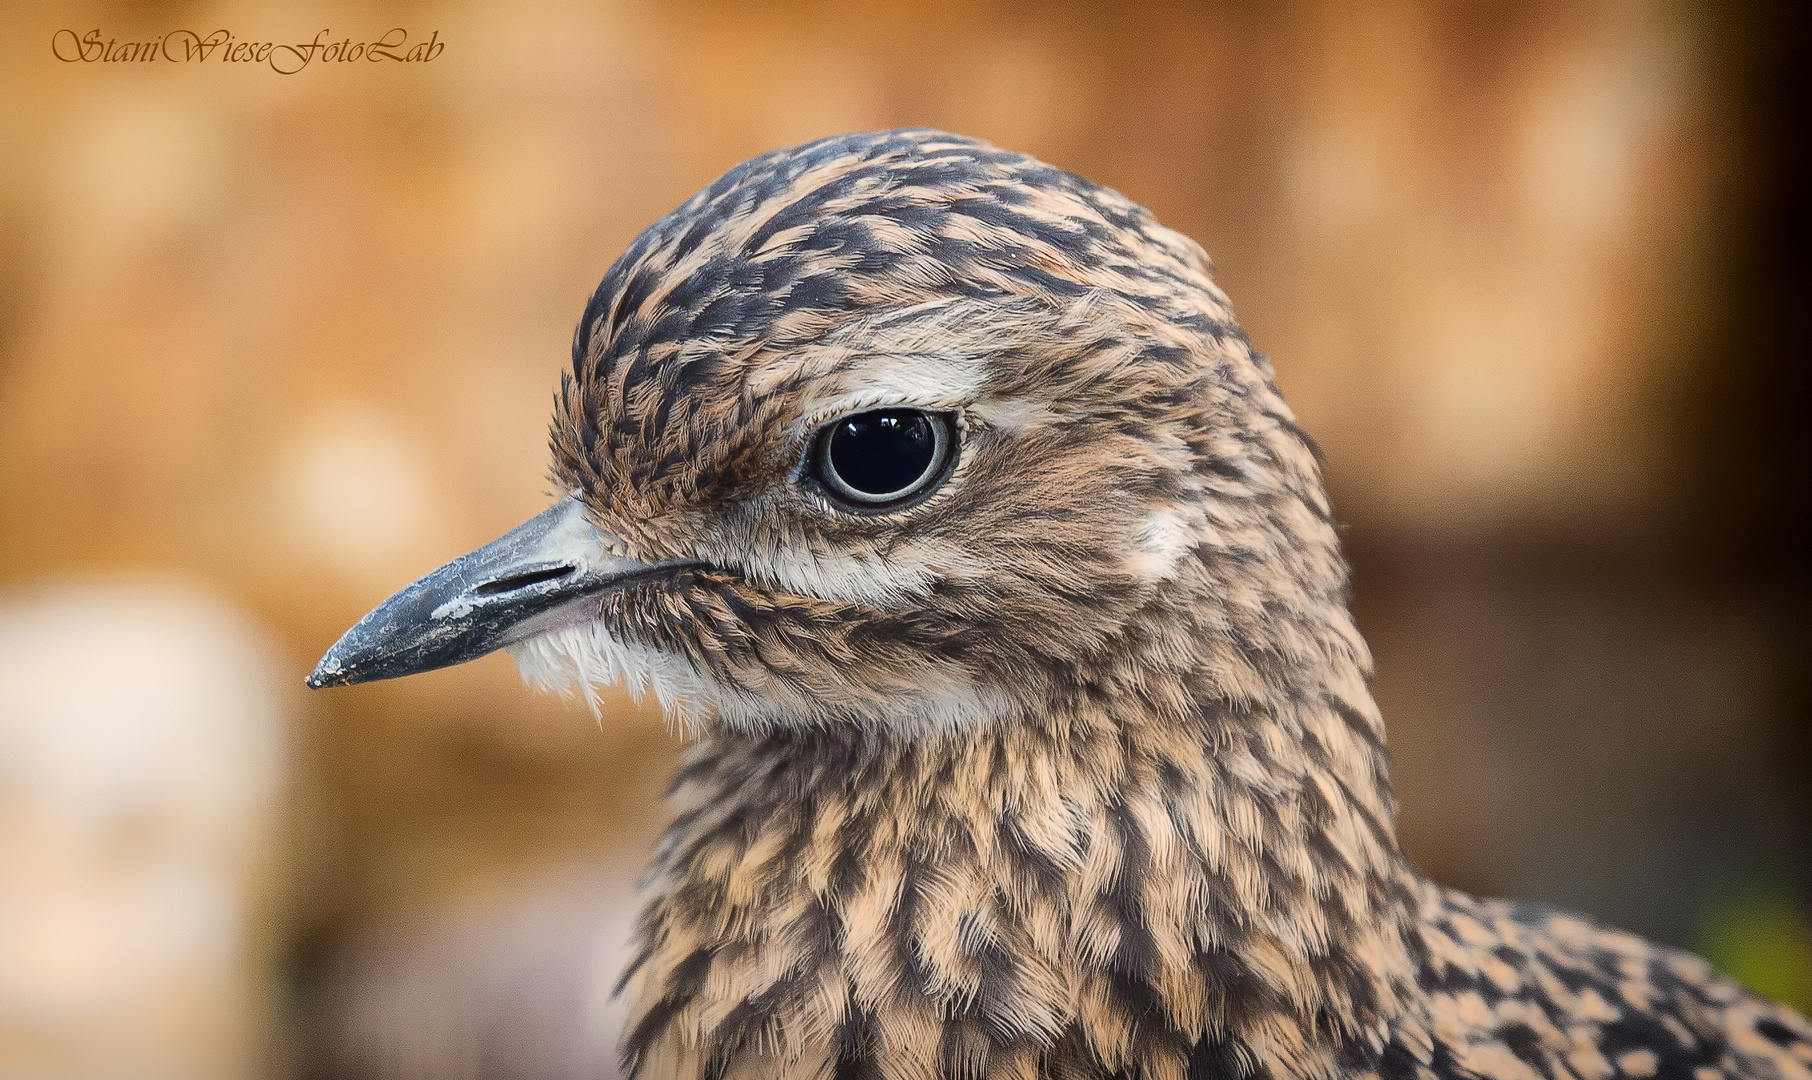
(1073, 770)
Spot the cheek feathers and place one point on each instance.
(874, 576)
(1072, 503)
(1162, 540)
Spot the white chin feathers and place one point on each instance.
(582, 660)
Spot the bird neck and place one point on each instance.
(1172, 861)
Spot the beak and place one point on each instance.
(546, 573)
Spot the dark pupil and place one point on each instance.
(880, 453)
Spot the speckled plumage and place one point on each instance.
(1072, 770)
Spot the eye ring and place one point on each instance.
(882, 460)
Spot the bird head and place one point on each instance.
(899, 430)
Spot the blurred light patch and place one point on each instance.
(517, 982)
(359, 490)
(1588, 132)
(1758, 932)
(133, 167)
(141, 756)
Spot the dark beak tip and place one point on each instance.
(329, 672)
(470, 606)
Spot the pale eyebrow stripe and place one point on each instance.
(932, 382)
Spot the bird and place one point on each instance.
(937, 494)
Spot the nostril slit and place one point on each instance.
(521, 581)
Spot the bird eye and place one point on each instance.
(885, 459)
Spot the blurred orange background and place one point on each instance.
(273, 344)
